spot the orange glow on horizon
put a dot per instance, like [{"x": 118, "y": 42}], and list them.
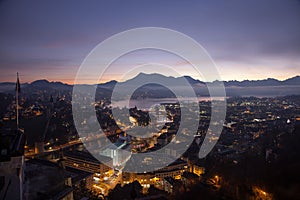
[{"x": 118, "y": 77}]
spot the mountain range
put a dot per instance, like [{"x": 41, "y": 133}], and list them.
[{"x": 266, "y": 87}]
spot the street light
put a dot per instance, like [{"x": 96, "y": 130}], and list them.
[{"x": 217, "y": 179}]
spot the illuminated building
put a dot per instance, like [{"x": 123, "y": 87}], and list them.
[
  {"x": 119, "y": 152},
  {"x": 197, "y": 169},
  {"x": 86, "y": 162},
  {"x": 169, "y": 184},
  {"x": 174, "y": 170}
]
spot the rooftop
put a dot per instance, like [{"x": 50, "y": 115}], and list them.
[
  {"x": 86, "y": 156},
  {"x": 11, "y": 143},
  {"x": 45, "y": 180}
]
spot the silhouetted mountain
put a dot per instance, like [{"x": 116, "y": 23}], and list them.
[
  {"x": 193, "y": 81},
  {"x": 45, "y": 84},
  {"x": 292, "y": 81},
  {"x": 108, "y": 85},
  {"x": 156, "y": 86},
  {"x": 40, "y": 83},
  {"x": 267, "y": 87},
  {"x": 156, "y": 78},
  {"x": 266, "y": 82},
  {"x": 247, "y": 83},
  {"x": 150, "y": 78},
  {"x": 7, "y": 86}
]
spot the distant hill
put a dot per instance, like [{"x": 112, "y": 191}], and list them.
[
  {"x": 266, "y": 87},
  {"x": 44, "y": 84},
  {"x": 247, "y": 83},
  {"x": 266, "y": 82},
  {"x": 168, "y": 80},
  {"x": 292, "y": 81}
]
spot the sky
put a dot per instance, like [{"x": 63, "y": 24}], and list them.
[{"x": 252, "y": 40}]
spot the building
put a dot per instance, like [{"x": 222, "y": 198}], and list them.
[
  {"x": 84, "y": 161},
  {"x": 119, "y": 152},
  {"x": 47, "y": 180},
  {"x": 12, "y": 144},
  {"x": 80, "y": 178},
  {"x": 189, "y": 179},
  {"x": 174, "y": 170},
  {"x": 169, "y": 184},
  {"x": 196, "y": 169}
]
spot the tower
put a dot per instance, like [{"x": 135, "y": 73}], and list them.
[{"x": 12, "y": 144}]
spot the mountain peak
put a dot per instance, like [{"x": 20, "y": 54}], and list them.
[
  {"x": 292, "y": 81},
  {"x": 192, "y": 80},
  {"x": 142, "y": 74},
  {"x": 39, "y": 82}
]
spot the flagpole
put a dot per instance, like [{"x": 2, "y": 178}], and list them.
[{"x": 17, "y": 101}]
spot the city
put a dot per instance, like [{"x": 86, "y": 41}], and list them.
[
  {"x": 150, "y": 100},
  {"x": 258, "y": 134}
]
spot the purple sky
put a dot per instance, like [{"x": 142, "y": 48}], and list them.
[{"x": 247, "y": 39}]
